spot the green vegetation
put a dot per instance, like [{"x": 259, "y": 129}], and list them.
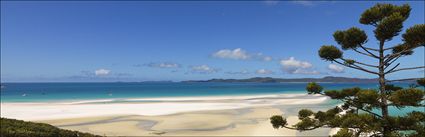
[
  {"x": 19, "y": 128},
  {"x": 360, "y": 117}
]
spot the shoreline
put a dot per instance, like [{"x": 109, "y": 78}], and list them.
[
  {"x": 148, "y": 106},
  {"x": 191, "y": 97},
  {"x": 225, "y": 115}
]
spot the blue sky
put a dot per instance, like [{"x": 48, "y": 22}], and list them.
[{"x": 143, "y": 41}]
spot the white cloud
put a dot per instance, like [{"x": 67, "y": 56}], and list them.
[
  {"x": 294, "y": 66},
  {"x": 237, "y": 54},
  {"x": 102, "y": 72},
  {"x": 162, "y": 65},
  {"x": 264, "y": 71},
  {"x": 335, "y": 68},
  {"x": 240, "y": 54},
  {"x": 238, "y": 72},
  {"x": 292, "y": 62},
  {"x": 204, "y": 69}
]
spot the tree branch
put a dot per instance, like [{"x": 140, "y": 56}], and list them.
[
  {"x": 366, "y": 64},
  {"x": 389, "y": 48},
  {"x": 393, "y": 68},
  {"x": 370, "y": 55},
  {"x": 312, "y": 128},
  {"x": 388, "y": 64},
  {"x": 355, "y": 67},
  {"x": 392, "y": 71},
  {"x": 349, "y": 101},
  {"x": 293, "y": 128},
  {"x": 391, "y": 56},
  {"x": 369, "y": 51}
]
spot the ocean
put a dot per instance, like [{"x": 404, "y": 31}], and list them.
[
  {"x": 51, "y": 92},
  {"x": 41, "y": 92}
]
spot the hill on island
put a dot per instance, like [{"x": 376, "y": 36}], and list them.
[{"x": 282, "y": 80}]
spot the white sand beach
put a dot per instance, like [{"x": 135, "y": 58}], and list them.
[{"x": 221, "y": 115}]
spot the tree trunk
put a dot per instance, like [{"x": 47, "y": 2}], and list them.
[{"x": 384, "y": 104}]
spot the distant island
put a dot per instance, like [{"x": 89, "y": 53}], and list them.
[{"x": 281, "y": 80}]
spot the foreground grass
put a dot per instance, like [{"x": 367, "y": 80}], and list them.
[{"x": 19, "y": 128}]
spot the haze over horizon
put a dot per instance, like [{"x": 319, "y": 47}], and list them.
[{"x": 154, "y": 41}]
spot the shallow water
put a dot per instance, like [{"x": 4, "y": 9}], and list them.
[
  {"x": 40, "y": 92},
  {"x": 119, "y": 92}
]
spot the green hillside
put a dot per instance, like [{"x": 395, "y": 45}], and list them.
[{"x": 19, "y": 128}]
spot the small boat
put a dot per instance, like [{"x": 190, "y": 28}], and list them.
[{"x": 24, "y": 95}]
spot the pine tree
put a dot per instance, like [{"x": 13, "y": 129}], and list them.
[{"x": 359, "y": 105}]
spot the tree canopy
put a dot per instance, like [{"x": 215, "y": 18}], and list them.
[{"x": 365, "y": 111}]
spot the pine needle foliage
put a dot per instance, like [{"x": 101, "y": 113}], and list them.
[{"x": 365, "y": 111}]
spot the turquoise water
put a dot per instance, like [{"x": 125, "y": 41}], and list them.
[
  {"x": 47, "y": 92},
  {"x": 39, "y": 92}
]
